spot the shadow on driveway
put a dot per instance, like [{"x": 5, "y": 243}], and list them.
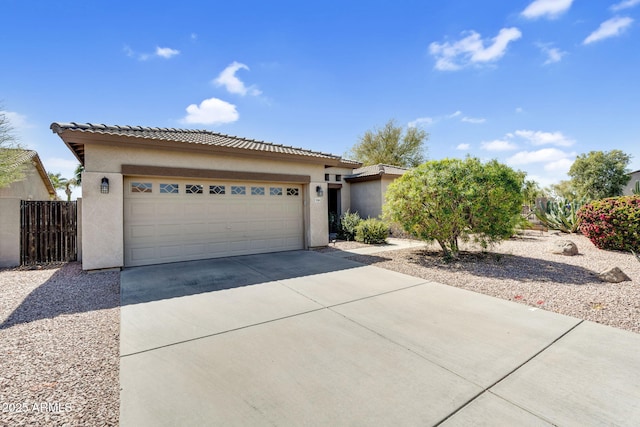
[{"x": 162, "y": 281}]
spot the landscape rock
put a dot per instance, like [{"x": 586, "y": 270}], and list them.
[
  {"x": 613, "y": 275},
  {"x": 564, "y": 247}
]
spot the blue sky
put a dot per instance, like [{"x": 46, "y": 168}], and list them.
[{"x": 530, "y": 83}]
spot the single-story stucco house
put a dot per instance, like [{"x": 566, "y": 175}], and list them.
[
  {"x": 35, "y": 185},
  {"x": 628, "y": 189},
  {"x": 158, "y": 195}
]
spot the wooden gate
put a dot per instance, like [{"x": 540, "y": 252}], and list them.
[{"x": 48, "y": 232}]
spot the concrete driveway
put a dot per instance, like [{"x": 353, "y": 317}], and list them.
[{"x": 302, "y": 338}]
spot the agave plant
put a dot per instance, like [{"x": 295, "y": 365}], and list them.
[{"x": 560, "y": 214}]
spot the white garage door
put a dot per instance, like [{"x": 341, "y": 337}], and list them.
[{"x": 168, "y": 220}]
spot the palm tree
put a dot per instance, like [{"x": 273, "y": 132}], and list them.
[
  {"x": 61, "y": 183},
  {"x": 77, "y": 174}
]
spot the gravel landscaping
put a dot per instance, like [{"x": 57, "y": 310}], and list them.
[
  {"x": 524, "y": 270},
  {"x": 59, "y": 346}
]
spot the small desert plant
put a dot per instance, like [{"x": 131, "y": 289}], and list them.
[
  {"x": 612, "y": 223},
  {"x": 560, "y": 214},
  {"x": 348, "y": 223},
  {"x": 372, "y": 231}
]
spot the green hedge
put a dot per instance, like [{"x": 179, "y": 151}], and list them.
[
  {"x": 372, "y": 231},
  {"x": 612, "y": 223}
]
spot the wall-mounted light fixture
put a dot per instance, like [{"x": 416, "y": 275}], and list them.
[
  {"x": 104, "y": 185},
  {"x": 319, "y": 191}
]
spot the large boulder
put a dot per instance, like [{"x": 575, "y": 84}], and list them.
[
  {"x": 613, "y": 275},
  {"x": 564, "y": 247}
]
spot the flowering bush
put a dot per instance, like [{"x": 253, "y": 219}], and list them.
[{"x": 612, "y": 223}]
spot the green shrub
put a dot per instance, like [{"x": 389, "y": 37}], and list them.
[
  {"x": 612, "y": 223},
  {"x": 372, "y": 232},
  {"x": 348, "y": 223},
  {"x": 560, "y": 214}
]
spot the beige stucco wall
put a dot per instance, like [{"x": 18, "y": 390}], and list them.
[
  {"x": 102, "y": 215},
  {"x": 366, "y": 198},
  {"x": 628, "y": 190},
  {"x": 102, "y": 221},
  {"x": 9, "y": 232}
]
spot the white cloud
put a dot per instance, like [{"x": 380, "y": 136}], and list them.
[
  {"x": 499, "y": 145},
  {"x": 562, "y": 165},
  {"x": 544, "y": 138},
  {"x": 212, "y": 111},
  {"x": 160, "y": 52},
  {"x": 456, "y": 114},
  {"x": 546, "y": 8},
  {"x": 540, "y": 156},
  {"x": 166, "y": 52},
  {"x": 519, "y": 110},
  {"x": 16, "y": 120},
  {"x": 463, "y": 147},
  {"x": 626, "y": 4},
  {"x": 471, "y": 49},
  {"x": 228, "y": 79},
  {"x": 420, "y": 121},
  {"x": 610, "y": 28},
  {"x": 553, "y": 53},
  {"x": 473, "y": 120}
]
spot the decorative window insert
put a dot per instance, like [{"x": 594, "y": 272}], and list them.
[
  {"x": 257, "y": 191},
  {"x": 275, "y": 191},
  {"x": 141, "y": 187},
  {"x": 169, "y": 188},
  {"x": 193, "y": 189},
  {"x": 217, "y": 189},
  {"x": 293, "y": 192},
  {"x": 338, "y": 178},
  {"x": 238, "y": 190}
]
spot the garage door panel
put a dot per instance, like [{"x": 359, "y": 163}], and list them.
[{"x": 171, "y": 227}]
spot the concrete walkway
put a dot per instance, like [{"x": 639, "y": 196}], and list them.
[
  {"x": 392, "y": 245},
  {"x": 302, "y": 338}
]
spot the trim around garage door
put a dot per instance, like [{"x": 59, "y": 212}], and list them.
[{"x": 161, "y": 171}]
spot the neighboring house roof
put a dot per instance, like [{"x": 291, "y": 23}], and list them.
[
  {"x": 22, "y": 156},
  {"x": 72, "y": 134},
  {"x": 373, "y": 172}
]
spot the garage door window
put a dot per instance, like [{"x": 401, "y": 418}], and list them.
[
  {"x": 217, "y": 189},
  {"x": 257, "y": 191},
  {"x": 275, "y": 191},
  {"x": 293, "y": 192},
  {"x": 168, "y": 188},
  {"x": 238, "y": 190},
  {"x": 193, "y": 189},
  {"x": 141, "y": 187}
]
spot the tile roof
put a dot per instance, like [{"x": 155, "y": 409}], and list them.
[
  {"x": 376, "y": 170},
  {"x": 193, "y": 136}
]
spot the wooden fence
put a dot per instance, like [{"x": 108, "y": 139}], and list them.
[{"x": 48, "y": 232}]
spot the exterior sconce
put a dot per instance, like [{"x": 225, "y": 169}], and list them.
[
  {"x": 104, "y": 186},
  {"x": 319, "y": 191}
]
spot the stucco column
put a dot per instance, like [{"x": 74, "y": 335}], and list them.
[
  {"x": 318, "y": 214},
  {"x": 102, "y": 221}
]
